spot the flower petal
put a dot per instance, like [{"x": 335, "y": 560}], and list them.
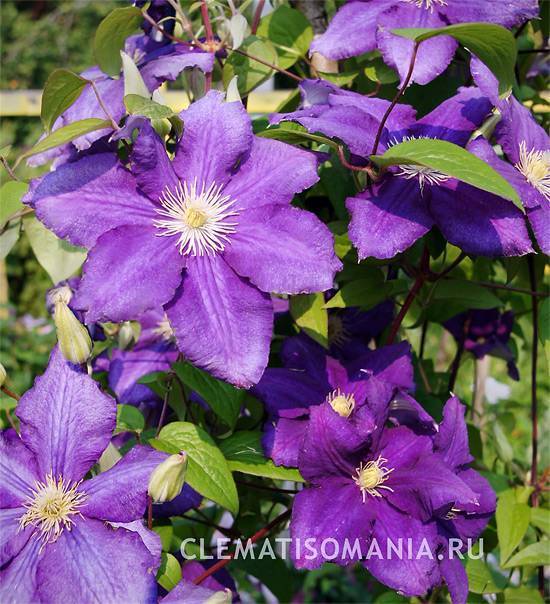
[
  {"x": 433, "y": 55},
  {"x": 222, "y": 323},
  {"x": 96, "y": 563},
  {"x": 66, "y": 420},
  {"x": 120, "y": 494},
  {"x": 282, "y": 440},
  {"x": 283, "y": 250},
  {"x": 455, "y": 576},
  {"x": 129, "y": 271},
  {"x": 508, "y": 14},
  {"x": 451, "y": 440},
  {"x": 273, "y": 173},
  {"x": 169, "y": 66},
  {"x": 18, "y": 470},
  {"x": 478, "y": 222},
  {"x": 18, "y": 581},
  {"x": 84, "y": 199},
  {"x": 12, "y": 538},
  {"x": 388, "y": 218},
  {"x": 185, "y": 501},
  {"x": 217, "y": 135}
]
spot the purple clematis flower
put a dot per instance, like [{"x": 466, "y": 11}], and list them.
[
  {"x": 220, "y": 584},
  {"x": 383, "y": 484},
  {"x": 156, "y": 63},
  {"x": 485, "y": 331},
  {"x": 310, "y": 378},
  {"x": 365, "y": 25},
  {"x": 527, "y": 148},
  {"x": 65, "y": 539},
  {"x": 206, "y": 235}
]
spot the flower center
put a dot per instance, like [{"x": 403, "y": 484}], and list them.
[
  {"x": 51, "y": 506},
  {"x": 371, "y": 476},
  {"x": 197, "y": 217},
  {"x": 342, "y": 403},
  {"x": 535, "y": 166},
  {"x": 427, "y": 4},
  {"x": 164, "y": 330},
  {"x": 337, "y": 332},
  {"x": 422, "y": 173}
]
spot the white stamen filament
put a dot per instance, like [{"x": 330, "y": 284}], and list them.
[
  {"x": 427, "y": 4},
  {"x": 371, "y": 476},
  {"x": 535, "y": 166},
  {"x": 197, "y": 218},
  {"x": 164, "y": 329}
]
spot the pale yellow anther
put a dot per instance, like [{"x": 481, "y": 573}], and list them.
[
  {"x": 342, "y": 403},
  {"x": 195, "y": 218},
  {"x": 371, "y": 477}
]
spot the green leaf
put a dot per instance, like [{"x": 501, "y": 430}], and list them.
[
  {"x": 536, "y": 554},
  {"x": 540, "y": 518},
  {"x": 250, "y": 73},
  {"x": 9, "y": 237},
  {"x": 476, "y": 296},
  {"x": 481, "y": 579},
  {"x": 522, "y": 595},
  {"x": 512, "y": 523},
  {"x": 62, "y": 89},
  {"x": 289, "y": 31},
  {"x": 366, "y": 292},
  {"x": 502, "y": 445},
  {"x": 129, "y": 419},
  {"x": 309, "y": 312},
  {"x": 111, "y": 35},
  {"x": 492, "y": 44},
  {"x": 139, "y": 105},
  {"x": 451, "y": 160},
  {"x": 59, "y": 259},
  {"x": 207, "y": 471},
  {"x": 169, "y": 572},
  {"x": 225, "y": 400},
  {"x": 244, "y": 453},
  {"x": 296, "y": 137},
  {"x": 378, "y": 71},
  {"x": 66, "y": 134},
  {"x": 11, "y": 193}
]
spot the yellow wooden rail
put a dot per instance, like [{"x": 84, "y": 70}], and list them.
[{"x": 27, "y": 102}]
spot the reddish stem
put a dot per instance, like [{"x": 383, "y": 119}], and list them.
[
  {"x": 257, "y": 17},
  {"x": 11, "y": 394},
  {"x": 206, "y": 22}
]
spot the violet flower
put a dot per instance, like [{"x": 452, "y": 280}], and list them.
[
  {"x": 395, "y": 484},
  {"x": 156, "y": 63},
  {"x": 310, "y": 378},
  {"x": 365, "y": 25},
  {"x": 485, "y": 331},
  {"x": 58, "y": 531},
  {"x": 207, "y": 235}
]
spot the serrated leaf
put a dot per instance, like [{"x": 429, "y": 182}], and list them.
[
  {"x": 451, "y": 160},
  {"x": 512, "y": 523},
  {"x": 59, "y": 259},
  {"x": 62, "y": 89},
  {"x": 111, "y": 35},
  {"x": 129, "y": 419},
  {"x": 169, "y": 572},
  {"x": 492, "y": 44},
  {"x": 138, "y": 105},
  {"x": 225, "y": 400},
  {"x": 66, "y": 134},
  {"x": 309, "y": 312},
  {"x": 289, "y": 31},
  {"x": 207, "y": 470},
  {"x": 244, "y": 453},
  {"x": 250, "y": 73},
  {"x": 536, "y": 554},
  {"x": 10, "y": 195}
]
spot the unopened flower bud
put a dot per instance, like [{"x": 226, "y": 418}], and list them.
[
  {"x": 74, "y": 340},
  {"x": 2, "y": 374},
  {"x": 128, "y": 335},
  {"x": 220, "y": 597},
  {"x": 168, "y": 478}
]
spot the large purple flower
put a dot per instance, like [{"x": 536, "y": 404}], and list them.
[
  {"x": 64, "y": 539},
  {"x": 156, "y": 63},
  {"x": 393, "y": 483},
  {"x": 206, "y": 235},
  {"x": 365, "y": 25},
  {"x": 310, "y": 378}
]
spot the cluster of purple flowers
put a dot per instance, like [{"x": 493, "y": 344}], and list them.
[{"x": 193, "y": 243}]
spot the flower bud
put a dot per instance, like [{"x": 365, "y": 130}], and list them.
[
  {"x": 220, "y": 597},
  {"x": 128, "y": 335},
  {"x": 168, "y": 478},
  {"x": 2, "y": 374},
  {"x": 74, "y": 340}
]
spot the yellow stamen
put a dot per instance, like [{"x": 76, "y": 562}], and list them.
[
  {"x": 371, "y": 476},
  {"x": 342, "y": 403}
]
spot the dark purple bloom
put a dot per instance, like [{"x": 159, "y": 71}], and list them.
[
  {"x": 310, "y": 378},
  {"x": 156, "y": 66},
  {"x": 365, "y": 25},
  {"x": 388, "y": 483},
  {"x": 207, "y": 235},
  {"x": 60, "y": 534},
  {"x": 527, "y": 148},
  {"x": 485, "y": 331}
]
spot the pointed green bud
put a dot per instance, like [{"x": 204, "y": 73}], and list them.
[
  {"x": 128, "y": 334},
  {"x": 74, "y": 340},
  {"x": 168, "y": 478},
  {"x": 3, "y": 374},
  {"x": 220, "y": 597}
]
